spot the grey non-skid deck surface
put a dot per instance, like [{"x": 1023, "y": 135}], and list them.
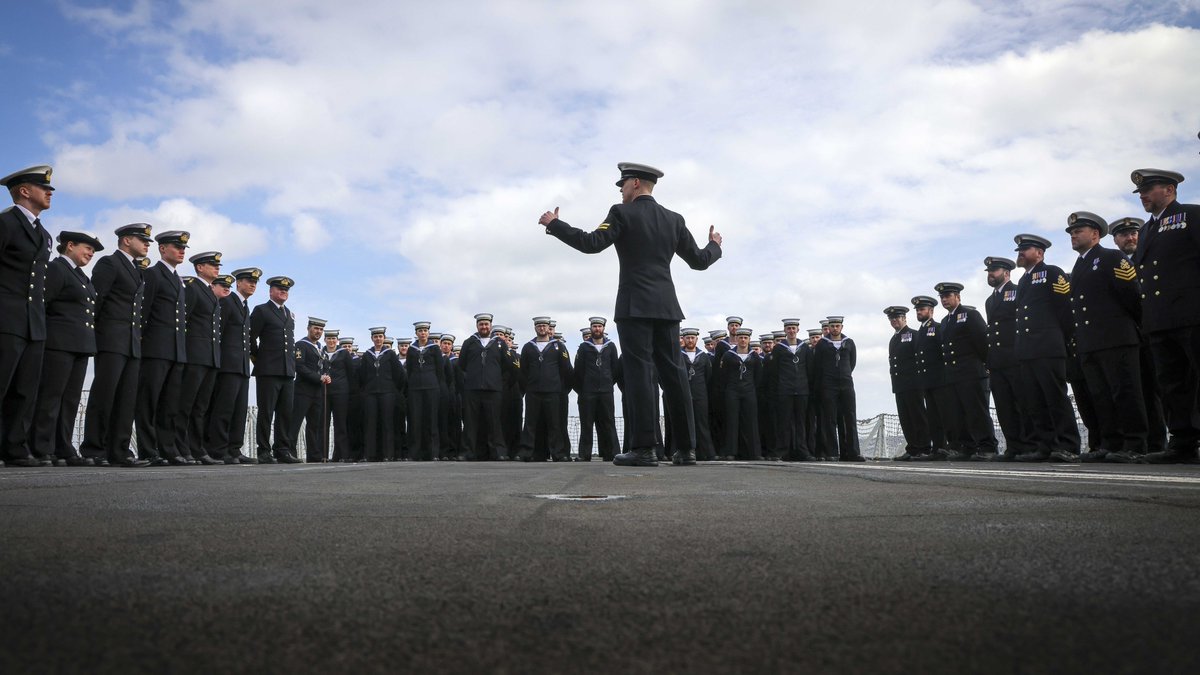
[{"x": 738, "y": 567}]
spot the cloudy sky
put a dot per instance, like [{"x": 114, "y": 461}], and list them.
[{"x": 393, "y": 157}]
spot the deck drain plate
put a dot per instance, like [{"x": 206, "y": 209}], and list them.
[{"x": 581, "y": 498}]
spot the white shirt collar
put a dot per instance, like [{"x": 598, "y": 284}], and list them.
[{"x": 28, "y": 214}]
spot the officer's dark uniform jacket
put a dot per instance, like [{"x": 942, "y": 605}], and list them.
[
  {"x": 699, "y": 367},
  {"x": 742, "y": 378},
  {"x": 547, "y": 371},
  {"x": 424, "y": 367},
  {"x": 833, "y": 368},
  {"x": 119, "y": 290},
  {"x": 1105, "y": 300},
  {"x": 1043, "y": 313},
  {"x": 597, "y": 368},
  {"x": 311, "y": 364},
  {"x": 902, "y": 360},
  {"x": 24, "y": 257},
  {"x": 380, "y": 372},
  {"x": 483, "y": 367},
  {"x": 164, "y": 317},
  {"x": 1001, "y": 307},
  {"x": 647, "y": 236},
  {"x": 203, "y": 323},
  {"x": 789, "y": 374},
  {"x": 341, "y": 369},
  {"x": 272, "y": 341},
  {"x": 70, "y": 309},
  {"x": 235, "y": 335},
  {"x": 1168, "y": 262},
  {"x": 931, "y": 368},
  {"x": 964, "y": 345}
]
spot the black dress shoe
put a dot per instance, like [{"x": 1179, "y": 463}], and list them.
[
  {"x": 853, "y": 458},
  {"x": 80, "y": 461},
  {"x": 131, "y": 463},
  {"x": 684, "y": 458},
  {"x": 982, "y": 456},
  {"x": 242, "y": 459},
  {"x": 267, "y": 459},
  {"x": 643, "y": 457},
  {"x": 180, "y": 461},
  {"x": 903, "y": 458},
  {"x": 230, "y": 460},
  {"x": 100, "y": 461},
  {"x": 158, "y": 461},
  {"x": 1123, "y": 457},
  {"x": 1035, "y": 456},
  {"x": 1096, "y": 455},
  {"x": 285, "y": 458},
  {"x": 1064, "y": 456},
  {"x": 1008, "y": 456},
  {"x": 27, "y": 462},
  {"x": 57, "y": 461},
  {"x": 207, "y": 461},
  {"x": 1173, "y": 456},
  {"x": 935, "y": 455},
  {"x": 805, "y": 456}
]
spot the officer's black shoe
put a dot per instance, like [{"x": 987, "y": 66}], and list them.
[
  {"x": 684, "y": 458},
  {"x": 982, "y": 456},
  {"x": 285, "y": 458},
  {"x": 131, "y": 463},
  {"x": 805, "y": 456},
  {"x": 100, "y": 461},
  {"x": 80, "y": 461},
  {"x": 267, "y": 459},
  {"x": 1173, "y": 456},
  {"x": 27, "y": 462},
  {"x": 242, "y": 459},
  {"x": 935, "y": 455},
  {"x": 207, "y": 461},
  {"x": 903, "y": 458},
  {"x": 853, "y": 458},
  {"x": 158, "y": 461},
  {"x": 1064, "y": 456},
  {"x": 1008, "y": 456},
  {"x": 230, "y": 460},
  {"x": 58, "y": 462},
  {"x": 643, "y": 457},
  {"x": 178, "y": 461},
  {"x": 1035, "y": 456},
  {"x": 1123, "y": 457},
  {"x": 1097, "y": 455},
  {"x": 956, "y": 456}
]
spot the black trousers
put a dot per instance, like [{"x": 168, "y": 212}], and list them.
[
  {"x": 598, "y": 409},
  {"x": 57, "y": 405},
  {"x": 400, "y": 428},
  {"x": 309, "y": 408},
  {"x": 741, "y": 425},
  {"x": 512, "y": 406},
  {"x": 705, "y": 450},
  {"x": 377, "y": 428},
  {"x": 226, "y": 433},
  {"x": 1084, "y": 404},
  {"x": 1044, "y": 399},
  {"x": 910, "y": 408},
  {"x": 157, "y": 408},
  {"x": 652, "y": 345},
  {"x": 195, "y": 402},
  {"x": 1013, "y": 422},
  {"x": 839, "y": 421},
  {"x": 815, "y": 436},
  {"x": 338, "y": 413},
  {"x": 564, "y": 407},
  {"x": 275, "y": 397},
  {"x": 108, "y": 427},
  {"x": 1177, "y": 360},
  {"x": 1115, "y": 380},
  {"x": 968, "y": 425},
  {"x": 541, "y": 417},
  {"x": 791, "y": 422},
  {"x": 1156, "y": 423},
  {"x": 20, "y": 368},
  {"x": 935, "y": 405},
  {"x": 768, "y": 436},
  {"x": 482, "y": 431},
  {"x": 423, "y": 440}
]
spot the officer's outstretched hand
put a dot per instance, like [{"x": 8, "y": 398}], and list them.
[
  {"x": 548, "y": 217},
  {"x": 713, "y": 235}
]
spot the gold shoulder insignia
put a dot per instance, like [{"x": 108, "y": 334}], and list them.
[
  {"x": 603, "y": 226},
  {"x": 1062, "y": 286},
  {"x": 1125, "y": 271},
  {"x": 565, "y": 356}
]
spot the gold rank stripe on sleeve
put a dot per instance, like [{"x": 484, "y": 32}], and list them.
[
  {"x": 1062, "y": 286},
  {"x": 603, "y": 226},
  {"x": 1125, "y": 271}
]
